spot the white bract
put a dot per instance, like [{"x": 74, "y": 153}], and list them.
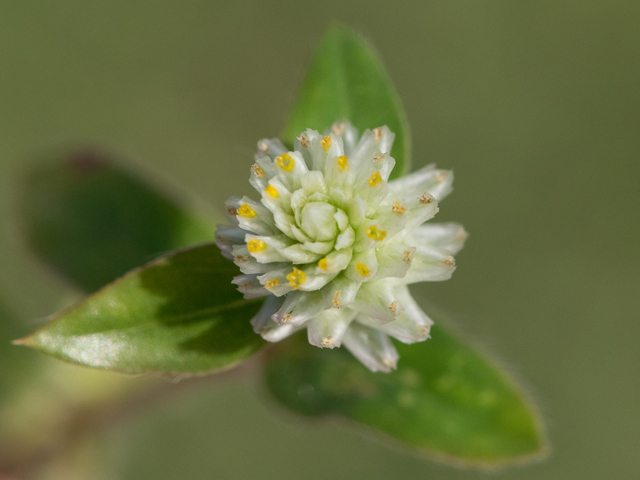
[{"x": 333, "y": 245}]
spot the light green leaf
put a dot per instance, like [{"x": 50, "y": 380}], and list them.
[
  {"x": 346, "y": 80},
  {"x": 179, "y": 314},
  {"x": 446, "y": 400},
  {"x": 93, "y": 221}
]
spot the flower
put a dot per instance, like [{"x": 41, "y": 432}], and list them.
[{"x": 333, "y": 245}]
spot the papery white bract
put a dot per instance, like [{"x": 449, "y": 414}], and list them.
[{"x": 333, "y": 245}]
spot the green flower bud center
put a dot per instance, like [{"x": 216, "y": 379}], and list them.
[{"x": 318, "y": 222}]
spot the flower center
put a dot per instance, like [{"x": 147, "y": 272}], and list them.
[{"x": 318, "y": 221}]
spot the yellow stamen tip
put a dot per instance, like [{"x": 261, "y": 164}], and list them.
[
  {"x": 296, "y": 278},
  {"x": 326, "y": 143},
  {"x": 398, "y": 208},
  {"x": 362, "y": 269},
  {"x": 285, "y": 162},
  {"x": 324, "y": 263},
  {"x": 375, "y": 233},
  {"x": 271, "y": 190},
  {"x": 375, "y": 179},
  {"x": 272, "y": 283},
  {"x": 343, "y": 162},
  {"x": 254, "y": 245},
  {"x": 246, "y": 211}
]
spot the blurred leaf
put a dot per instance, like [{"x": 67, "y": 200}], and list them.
[
  {"x": 346, "y": 80},
  {"x": 94, "y": 222},
  {"x": 445, "y": 400},
  {"x": 178, "y": 314}
]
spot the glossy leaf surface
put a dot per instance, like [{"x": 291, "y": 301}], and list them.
[
  {"x": 445, "y": 400},
  {"x": 179, "y": 314}
]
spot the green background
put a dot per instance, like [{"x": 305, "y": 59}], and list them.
[{"x": 535, "y": 105}]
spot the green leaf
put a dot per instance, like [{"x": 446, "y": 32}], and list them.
[
  {"x": 178, "y": 314},
  {"x": 94, "y": 222},
  {"x": 446, "y": 400},
  {"x": 346, "y": 80}
]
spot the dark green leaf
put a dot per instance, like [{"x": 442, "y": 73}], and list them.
[
  {"x": 178, "y": 314},
  {"x": 346, "y": 80},
  {"x": 445, "y": 400},
  {"x": 94, "y": 222}
]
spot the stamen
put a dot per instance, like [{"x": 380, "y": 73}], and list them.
[
  {"x": 286, "y": 318},
  {"x": 407, "y": 256},
  {"x": 374, "y": 233},
  {"x": 362, "y": 269},
  {"x": 271, "y": 190},
  {"x": 232, "y": 211},
  {"x": 241, "y": 258},
  {"x": 449, "y": 261},
  {"x": 336, "y": 300},
  {"x": 393, "y": 307},
  {"x": 285, "y": 162},
  {"x": 262, "y": 146},
  {"x": 338, "y": 128},
  {"x": 258, "y": 170},
  {"x": 246, "y": 211},
  {"x": 326, "y": 143},
  {"x": 398, "y": 208},
  {"x": 296, "y": 278},
  {"x": 343, "y": 162},
  {"x": 304, "y": 141},
  {"x": 324, "y": 263},
  {"x": 378, "y": 156},
  {"x": 271, "y": 283},
  {"x": 375, "y": 179},
  {"x": 254, "y": 245},
  {"x": 377, "y": 133},
  {"x": 425, "y": 199},
  {"x": 327, "y": 342}
]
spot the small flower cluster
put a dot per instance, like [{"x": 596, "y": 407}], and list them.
[{"x": 333, "y": 244}]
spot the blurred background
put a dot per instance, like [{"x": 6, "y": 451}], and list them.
[{"x": 535, "y": 105}]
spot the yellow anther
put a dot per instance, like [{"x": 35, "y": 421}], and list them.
[
  {"x": 254, "y": 245},
  {"x": 258, "y": 170},
  {"x": 324, "y": 263},
  {"x": 326, "y": 143},
  {"x": 246, "y": 211},
  {"x": 272, "y": 283},
  {"x": 343, "y": 162},
  {"x": 285, "y": 162},
  {"x": 271, "y": 190},
  {"x": 296, "y": 278},
  {"x": 376, "y": 234},
  {"x": 398, "y": 208},
  {"x": 336, "y": 300},
  {"x": 375, "y": 179},
  {"x": 362, "y": 269}
]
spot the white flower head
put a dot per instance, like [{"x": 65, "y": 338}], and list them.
[{"x": 333, "y": 245}]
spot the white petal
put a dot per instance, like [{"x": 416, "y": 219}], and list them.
[
  {"x": 341, "y": 292},
  {"x": 228, "y": 236},
  {"x": 269, "y": 248},
  {"x": 263, "y": 317},
  {"x": 449, "y": 237},
  {"x": 345, "y": 239},
  {"x": 394, "y": 260},
  {"x": 363, "y": 267},
  {"x": 379, "y": 301},
  {"x": 247, "y": 263},
  {"x": 297, "y": 254},
  {"x": 249, "y": 286},
  {"x": 426, "y": 180},
  {"x": 327, "y": 329},
  {"x": 430, "y": 264},
  {"x": 313, "y": 182},
  {"x": 372, "y": 347},
  {"x": 261, "y": 172},
  {"x": 298, "y": 307},
  {"x": 335, "y": 262},
  {"x": 270, "y": 147}
]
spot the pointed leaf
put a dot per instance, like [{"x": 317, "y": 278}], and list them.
[
  {"x": 93, "y": 221},
  {"x": 346, "y": 80},
  {"x": 178, "y": 314},
  {"x": 445, "y": 400}
]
